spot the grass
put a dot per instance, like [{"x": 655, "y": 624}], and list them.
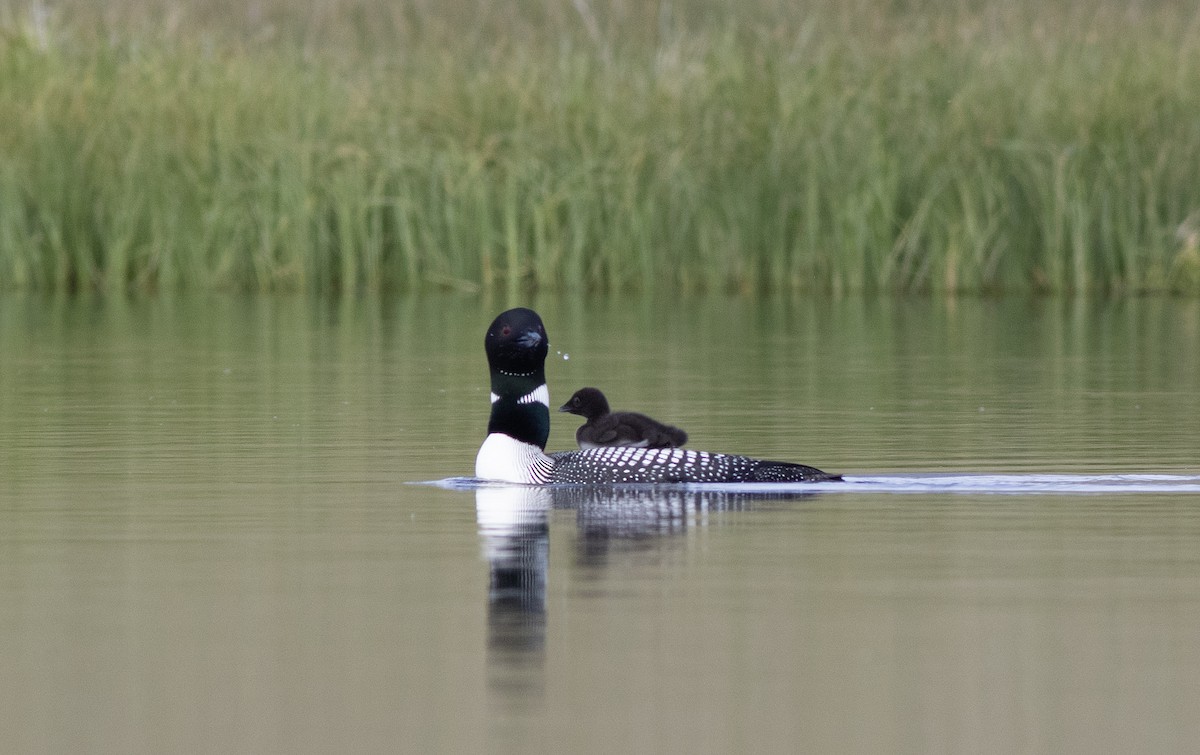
[{"x": 833, "y": 146}]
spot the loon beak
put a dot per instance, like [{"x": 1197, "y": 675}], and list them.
[
  {"x": 564, "y": 408},
  {"x": 529, "y": 339}
]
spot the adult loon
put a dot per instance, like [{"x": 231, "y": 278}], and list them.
[
  {"x": 608, "y": 428},
  {"x": 514, "y": 450}
]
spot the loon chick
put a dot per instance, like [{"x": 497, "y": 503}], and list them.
[
  {"x": 629, "y": 429},
  {"x": 519, "y": 425}
]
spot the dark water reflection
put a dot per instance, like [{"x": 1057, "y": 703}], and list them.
[{"x": 515, "y": 531}]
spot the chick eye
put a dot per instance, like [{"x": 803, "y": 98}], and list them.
[{"x": 506, "y": 331}]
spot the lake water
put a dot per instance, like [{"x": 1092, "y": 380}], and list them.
[{"x": 210, "y": 539}]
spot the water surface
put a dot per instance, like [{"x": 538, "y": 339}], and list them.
[{"x": 211, "y": 541}]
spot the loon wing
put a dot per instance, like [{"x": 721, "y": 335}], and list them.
[{"x": 615, "y": 464}]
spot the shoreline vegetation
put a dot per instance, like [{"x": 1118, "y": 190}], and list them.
[{"x": 943, "y": 146}]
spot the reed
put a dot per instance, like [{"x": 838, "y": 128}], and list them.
[{"x": 689, "y": 146}]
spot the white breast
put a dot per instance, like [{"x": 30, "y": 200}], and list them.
[{"x": 506, "y": 459}]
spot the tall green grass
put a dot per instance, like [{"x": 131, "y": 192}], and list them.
[{"x": 934, "y": 146}]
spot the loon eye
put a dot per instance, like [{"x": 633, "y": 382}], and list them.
[{"x": 506, "y": 331}]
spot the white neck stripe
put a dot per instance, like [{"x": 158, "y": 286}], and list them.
[{"x": 539, "y": 395}]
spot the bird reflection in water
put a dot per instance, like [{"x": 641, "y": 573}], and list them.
[{"x": 514, "y": 528}]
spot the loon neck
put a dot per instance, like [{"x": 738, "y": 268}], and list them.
[
  {"x": 515, "y": 383},
  {"x": 521, "y": 407}
]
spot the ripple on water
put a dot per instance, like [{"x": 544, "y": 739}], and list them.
[{"x": 999, "y": 484}]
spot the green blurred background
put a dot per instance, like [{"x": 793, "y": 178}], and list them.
[{"x": 940, "y": 146}]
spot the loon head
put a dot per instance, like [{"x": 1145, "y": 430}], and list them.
[
  {"x": 516, "y": 345},
  {"x": 586, "y": 402}
]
